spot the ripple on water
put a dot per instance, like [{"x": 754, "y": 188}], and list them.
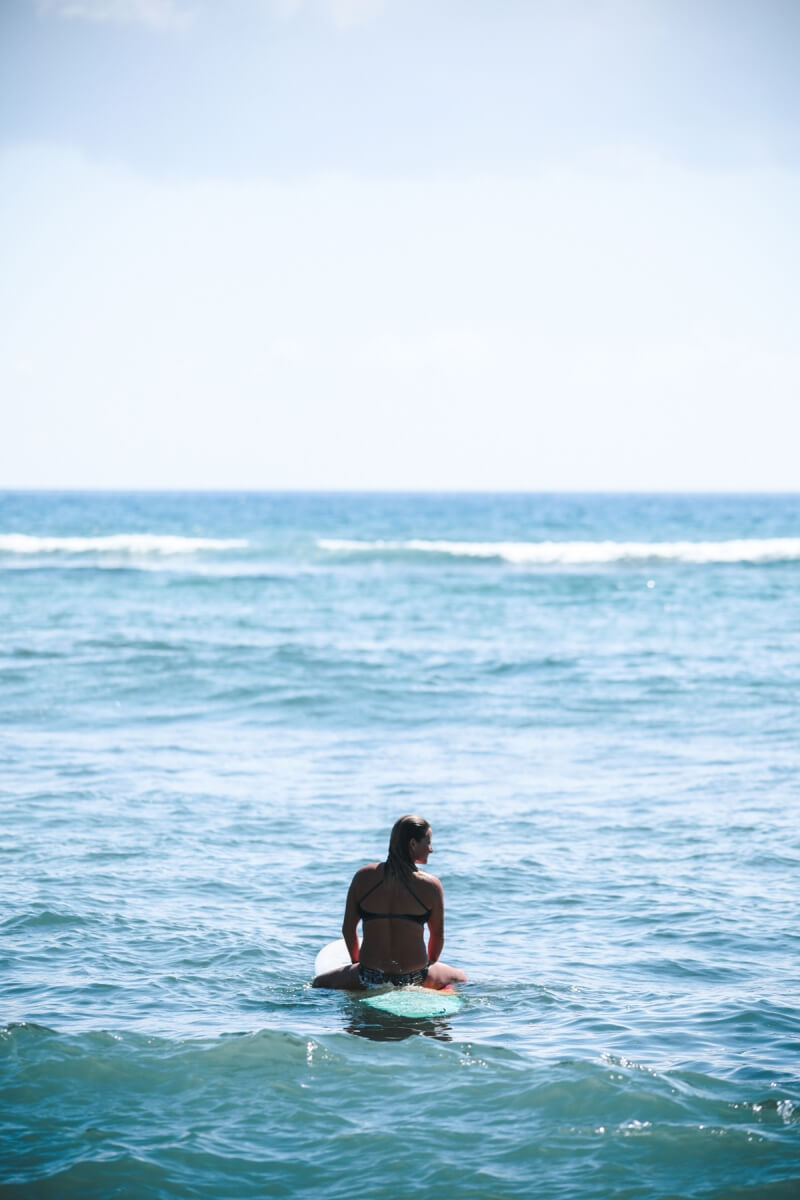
[{"x": 265, "y": 1110}]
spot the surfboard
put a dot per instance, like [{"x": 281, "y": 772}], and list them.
[
  {"x": 397, "y": 1002},
  {"x": 413, "y": 1002}
]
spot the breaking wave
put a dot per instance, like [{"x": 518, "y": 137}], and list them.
[
  {"x": 745, "y": 550},
  {"x": 133, "y": 544}
]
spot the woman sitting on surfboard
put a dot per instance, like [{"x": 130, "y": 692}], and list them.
[{"x": 395, "y": 901}]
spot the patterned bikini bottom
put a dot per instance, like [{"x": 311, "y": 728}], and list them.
[{"x": 371, "y": 977}]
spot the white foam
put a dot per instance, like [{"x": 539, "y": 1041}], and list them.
[
  {"x": 742, "y": 550},
  {"x": 134, "y": 544}
]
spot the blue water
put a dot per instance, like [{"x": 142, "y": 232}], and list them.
[{"x": 212, "y": 709}]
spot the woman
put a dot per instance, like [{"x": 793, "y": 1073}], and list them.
[{"x": 395, "y": 901}]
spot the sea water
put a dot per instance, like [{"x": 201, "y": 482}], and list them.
[{"x": 212, "y": 710}]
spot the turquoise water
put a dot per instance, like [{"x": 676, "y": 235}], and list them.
[{"x": 212, "y": 709}]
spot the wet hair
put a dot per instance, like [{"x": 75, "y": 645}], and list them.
[{"x": 400, "y": 861}]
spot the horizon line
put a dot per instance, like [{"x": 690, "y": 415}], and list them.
[{"x": 398, "y": 491}]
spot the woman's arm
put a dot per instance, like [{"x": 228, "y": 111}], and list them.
[
  {"x": 350, "y": 922},
  {"x": 436, "y": 925}
]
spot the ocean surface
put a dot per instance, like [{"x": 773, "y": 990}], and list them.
[{"x": 212, "y": 709}]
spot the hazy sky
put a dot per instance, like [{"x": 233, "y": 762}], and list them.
[{"x": 511, "y": 244}]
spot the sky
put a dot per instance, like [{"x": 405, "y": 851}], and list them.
[{"x": 400, "y": 244}]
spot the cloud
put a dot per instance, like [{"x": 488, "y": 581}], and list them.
[
  {"x": 352, "y": 12},
  {"x": 156, "y": 14},
  {"x": 342, "y": 13}
]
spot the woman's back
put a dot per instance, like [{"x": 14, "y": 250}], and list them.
[{"x": 394, "y": 910}]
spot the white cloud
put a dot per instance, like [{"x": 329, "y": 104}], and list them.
[
  {"x": 352, "y": 12},
  {"x": 342, "y": 13},
  {"x": 156, "y": 14}
]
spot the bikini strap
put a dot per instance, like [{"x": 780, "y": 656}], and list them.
[
  {"x": 374, "y": 887},
  {"x": 409, "y": 888}
]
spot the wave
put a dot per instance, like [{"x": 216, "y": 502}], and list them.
[
  {"x": 133, "y": 544},
  {"x": 545, "y": 554}
]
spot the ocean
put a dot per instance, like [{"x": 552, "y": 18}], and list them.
[{"x": 213, "y": 707}]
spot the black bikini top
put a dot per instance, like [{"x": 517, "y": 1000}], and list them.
[{"x": 418, "y": 918}]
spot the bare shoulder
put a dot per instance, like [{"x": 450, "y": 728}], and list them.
[
  {"x": 366, "y": 874},
  {"x": 430, "y": 880}
]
